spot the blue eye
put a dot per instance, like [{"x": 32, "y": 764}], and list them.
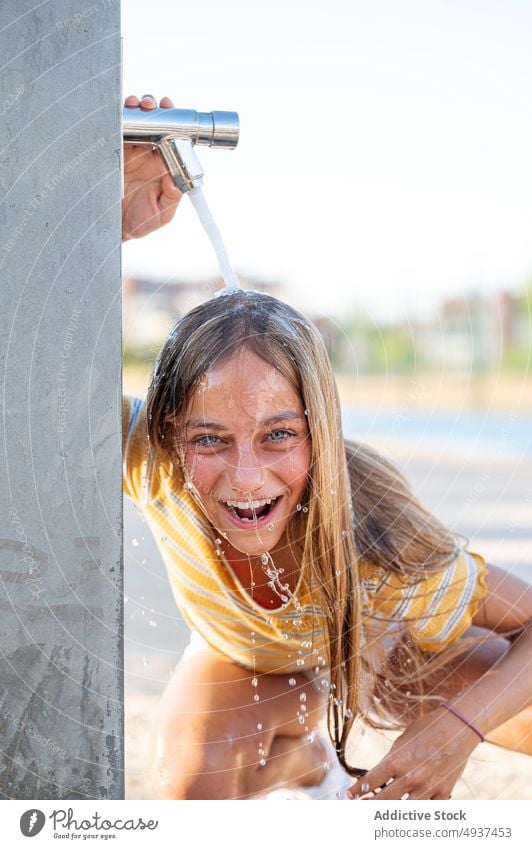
[
  {"x": 207, "y": 441},
  {"x": 279, "y": 435}
]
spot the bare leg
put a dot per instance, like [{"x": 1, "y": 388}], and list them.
[{"x": 210, "y": 730}]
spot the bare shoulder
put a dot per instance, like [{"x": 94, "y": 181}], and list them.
[{"x": 507, "y": 603}]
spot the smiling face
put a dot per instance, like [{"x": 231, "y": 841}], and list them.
[{"x": 247, "y": 451}]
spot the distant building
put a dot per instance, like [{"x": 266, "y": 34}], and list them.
[
  {"x": 151, "y": 307},
  {"x": 470, "y": 333}
]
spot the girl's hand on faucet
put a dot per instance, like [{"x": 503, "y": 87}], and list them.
[{"x": 150, "y": 197}]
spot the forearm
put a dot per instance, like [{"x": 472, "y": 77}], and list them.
[{"x": 503, "y": 691}]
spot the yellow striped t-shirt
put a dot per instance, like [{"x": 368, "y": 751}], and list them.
[{"x": 434, "y": 612}]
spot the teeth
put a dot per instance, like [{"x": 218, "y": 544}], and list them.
[{"x": 250, "y": 505}]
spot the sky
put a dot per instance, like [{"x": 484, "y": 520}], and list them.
[{"x": 384, "y": 160}]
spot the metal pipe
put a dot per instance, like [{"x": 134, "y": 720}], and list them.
[{"x": 175, "y": 132}]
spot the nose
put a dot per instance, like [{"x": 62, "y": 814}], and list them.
[{"x": 247, "y": 473}]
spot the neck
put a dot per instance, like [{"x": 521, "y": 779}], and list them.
[{"x": 285, "y": 557}]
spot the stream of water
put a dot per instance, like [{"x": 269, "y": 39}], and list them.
[{"x": 198, "y": 201}]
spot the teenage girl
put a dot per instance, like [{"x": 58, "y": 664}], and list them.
[{"x": 317, "y": 583}]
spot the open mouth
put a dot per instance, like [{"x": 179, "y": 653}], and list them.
[{"x": 252, "y": 511}]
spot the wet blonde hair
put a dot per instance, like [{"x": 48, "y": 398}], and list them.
[{"x": 360, "y": 508}]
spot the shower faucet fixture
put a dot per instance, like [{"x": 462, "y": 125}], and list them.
[{"x": 176, "y": 132}]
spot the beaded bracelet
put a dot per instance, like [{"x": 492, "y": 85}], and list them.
[{"x": 462, "y": 717}]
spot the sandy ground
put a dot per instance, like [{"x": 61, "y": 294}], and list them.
[{"x": 489, "y": 499}]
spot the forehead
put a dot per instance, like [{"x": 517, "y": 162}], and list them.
[{"x": 245, "y": 384}]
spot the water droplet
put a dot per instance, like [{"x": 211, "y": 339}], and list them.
[
  {"x": 271, "y": 526},
  {"x": 302, "y": 697},
  {"x": 301, "y": 720},
  {"x": 145, "y": 661},
  {"x": 256, "y": 697},
  {"x": 337, "y": 573},
  {"x": 292, "y": 682},
  {"x": 253, "y": 584},
  {"x": 254, "y": 682},
  {"x": 306, "y": 412},
  {"x": 152, "y": 623},
  {"x": 316, "y": 670},
  {"x": 306, "y": 644},
  {"x": 298, "y": 507},
  {"x": 264, "y": 559},
  {"x": 344, "y": 533},
  {"x": 218, "y": 541},
  {"x": 126, "y": 599},
  {"x": 187, "y": 486},
  {"x": 349, "y": 713},
  {"x": 300, "y": 662},
  {"x": 259, "y": 726},
  {"x": 305, "y": 509},
  {"x": 262, "y": 762},
  {"x": 135, "y": 542},
  {"x": 333, "y": 492}
]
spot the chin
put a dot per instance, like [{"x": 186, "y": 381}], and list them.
[{"x": 253, "y": 542}]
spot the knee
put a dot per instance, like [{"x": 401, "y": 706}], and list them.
[{"x": 187, "y": 769}]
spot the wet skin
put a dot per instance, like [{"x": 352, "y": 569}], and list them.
[{"x": 247, "y": 442}]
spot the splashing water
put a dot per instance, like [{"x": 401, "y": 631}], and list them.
[
  {"x": 283, "y": 591},
  {"x": 198, "y": 201}
]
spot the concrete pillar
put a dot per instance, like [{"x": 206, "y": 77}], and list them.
[{"x": 61, "y": 691}]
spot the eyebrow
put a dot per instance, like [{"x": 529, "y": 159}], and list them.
[{"x": 282, "y": 416}]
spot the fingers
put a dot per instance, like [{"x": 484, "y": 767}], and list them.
[
  {"x": 169, "y": 198},
  {"x": 394, "y": 790},
  {"x": 377, "y": 777},
  {"x": 147, "y": 101}
]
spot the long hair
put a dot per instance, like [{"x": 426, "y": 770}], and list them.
[{"x": 359, "y": 508}]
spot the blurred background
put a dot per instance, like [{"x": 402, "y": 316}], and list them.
[
  {"x": 383, "y": 186},
  {"x": 382, "y": 182}
]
